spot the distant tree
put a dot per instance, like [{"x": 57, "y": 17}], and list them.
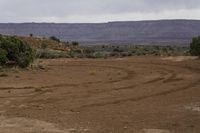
[
  {"x": 55, "y": 38},
  {"x": 75, "y": 43},
  {"x": 31, "y": 35},
  {"x": 117, "y": 49},
  {"x": 195, "y": 46}
]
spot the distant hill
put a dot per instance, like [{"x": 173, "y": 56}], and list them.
[{"x": 134, "y": 31}]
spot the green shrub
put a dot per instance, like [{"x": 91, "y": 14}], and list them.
[
  {"x": 98, "y": 55},
  {"x": 48, "y": 54},
  {"x": 75, "y": 44},
  {"x": 15, "y": 50},
  {"x": 55, "y": 38},
  {"x": 3, "y": 57},
  {"x": 117, "y": 50},
  {"x": 88, "y": 51},
  {"x": 195, "y": 46}
]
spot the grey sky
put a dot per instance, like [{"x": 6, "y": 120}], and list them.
[{"x": 96, "y": 10}]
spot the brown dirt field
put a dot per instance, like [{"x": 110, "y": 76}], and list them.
[{"x": 129, "y": 95}]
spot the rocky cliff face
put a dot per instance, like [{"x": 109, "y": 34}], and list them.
[{"x": 136, "y": 31}]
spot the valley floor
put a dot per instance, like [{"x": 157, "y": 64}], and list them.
[{"x": 126, "y": 95}]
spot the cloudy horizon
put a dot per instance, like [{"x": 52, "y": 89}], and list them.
[{"x": 95, "y": 11}]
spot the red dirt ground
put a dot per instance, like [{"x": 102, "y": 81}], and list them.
[{"x": 129, "y": 95}]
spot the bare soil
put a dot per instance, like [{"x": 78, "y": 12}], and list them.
[{"x": 129, "y": 95}]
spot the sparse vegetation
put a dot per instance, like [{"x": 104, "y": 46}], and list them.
[
  {"x": 133, "y": 50},
  {"x": 50, "y": 54},
  {"x": 54, "y": 48}
]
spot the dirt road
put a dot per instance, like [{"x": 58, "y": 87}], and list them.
[{"x": 129, "y": 95}]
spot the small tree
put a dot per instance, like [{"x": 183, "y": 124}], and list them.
[
  {"x": 3, "y": 57},
  {"x": 15, "y": 50},
  {"x": 31, "y": 35},
  {"x": 75, "y": 44},
  {"x": 195, "y": 46},
  {"x": 55, "y": 38}
]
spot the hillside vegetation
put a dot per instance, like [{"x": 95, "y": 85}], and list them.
[{"x": 21, "y": 51}]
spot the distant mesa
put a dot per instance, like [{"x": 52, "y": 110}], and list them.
[{"x": 127, "y": 31}]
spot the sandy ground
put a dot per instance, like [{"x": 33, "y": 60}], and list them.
[{"x": 129, "y": 95}]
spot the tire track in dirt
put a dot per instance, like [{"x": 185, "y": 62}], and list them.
[
  {"x": 172, "y": 78},
  {"x": 160, "y": 78},
  {"x": 136, "y": 99},
  {"x": 130, "y": 74},
  {"x": 167, "y": 72}
]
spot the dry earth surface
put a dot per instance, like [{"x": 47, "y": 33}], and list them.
[{"x": 129, "y": 95}]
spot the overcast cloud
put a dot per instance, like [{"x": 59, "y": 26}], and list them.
[{"x": 96, "y": 10}]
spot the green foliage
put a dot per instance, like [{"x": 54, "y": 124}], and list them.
[
  {"x": 48, "y": 54},
  {"x": 15, "y": 50},
  {"x": 131, "y": 50},
  {"x": 3, "y": 57},
  {"x": 88, "y": 51},
  {"x": 195, "y": 46},
  {"x": 117, "y": 50}
]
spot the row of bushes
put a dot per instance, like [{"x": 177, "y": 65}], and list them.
[{"x": 17, "y": 52}]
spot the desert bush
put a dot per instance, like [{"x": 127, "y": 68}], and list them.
[
  {"x": 75, "y": 44},
  {"x": 54, "y": 38},
  {"x": 195, "y": 46},
  {"x": 114, "y": 54},
  {"x": 15, "y": 50},
  {"x": 117, "y": 50},
  {"x": 49, "y": 54},
  {"x": 125, "y": 54},
  {"x": 88, "y": 51},
  {"x": 3, "y": 57},
  {"x": 138, "y": 51},
  {"x": 99, "y": 55}
]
